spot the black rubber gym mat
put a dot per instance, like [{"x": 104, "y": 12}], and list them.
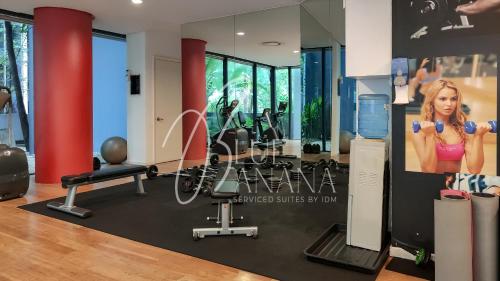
[
  {"x": 286, "y": 227},
  {"x": 408, "y": 267}
]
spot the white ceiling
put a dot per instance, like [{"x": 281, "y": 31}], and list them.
[
  {"x": 280, "y": 24},
  {"x": 122, "y": 16}
]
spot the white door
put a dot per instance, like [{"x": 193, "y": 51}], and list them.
[{"x": 168, "y": 106}]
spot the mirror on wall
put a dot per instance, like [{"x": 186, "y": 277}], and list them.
[
  {"x": 272, "y": 39},
  {"x": 316, "y": 76},
  {"x": 283, "y": 60},
  {"x": 254, "y": 58}
]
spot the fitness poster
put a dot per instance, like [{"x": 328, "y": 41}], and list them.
[
  {"x": 451, "y": 119},
  {"x": 441, "y": 19}
]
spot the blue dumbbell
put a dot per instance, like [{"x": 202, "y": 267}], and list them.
[
  {"x": 439, "y": 126},
  {"x": 470, "y": 126}
]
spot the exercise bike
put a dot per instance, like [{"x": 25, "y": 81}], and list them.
[{"x": 229, "y": 140}]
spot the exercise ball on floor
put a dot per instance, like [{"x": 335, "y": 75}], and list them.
[
  {"x": 345, "y": 138},
  {"x": 114, "y": 150}
]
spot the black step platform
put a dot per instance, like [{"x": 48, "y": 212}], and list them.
[{"x": 331, "y": 248}]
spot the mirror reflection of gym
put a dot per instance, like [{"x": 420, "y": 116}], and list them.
[{"x": 259, "y": 51}]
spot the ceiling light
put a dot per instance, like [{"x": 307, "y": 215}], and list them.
[
  {"x": 240, "y": 33},
  {"x": 137, "y": 2},
  {"x": 296, "y": 52},
  {"x": 271, "y": 43}
]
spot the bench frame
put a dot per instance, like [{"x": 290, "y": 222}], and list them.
[
  {"x": 225, "y": 218},
  {"x": 69, "y": 204}
]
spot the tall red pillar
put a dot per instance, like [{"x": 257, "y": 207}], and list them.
[
  {"x": 63, "y": 93},
  {"x": 193, "y": 98}
]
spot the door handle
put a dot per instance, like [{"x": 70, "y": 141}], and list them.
[{"x": 159, "y": 119}]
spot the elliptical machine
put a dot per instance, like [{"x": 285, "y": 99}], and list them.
[
  {"x": 229, "y": 140},
  {"x": 275, "y": 131},
  {"x": 272, "y": 137}
]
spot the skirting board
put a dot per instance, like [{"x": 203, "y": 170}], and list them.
[{"x": 403, "y": 254}]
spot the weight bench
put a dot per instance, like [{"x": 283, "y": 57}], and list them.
[
  {"x": 225, "y": 192},
  {"x": 72, "y": 182}
]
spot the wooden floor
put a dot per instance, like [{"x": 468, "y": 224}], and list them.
[{"x": 35, "y": 247}]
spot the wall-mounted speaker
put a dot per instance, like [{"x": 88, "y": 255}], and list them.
[{"x": 135, "y": 84}]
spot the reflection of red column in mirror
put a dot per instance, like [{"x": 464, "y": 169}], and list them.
[
  {"x": 63, "y": 92},
  {"x": 193, "y": 97}
]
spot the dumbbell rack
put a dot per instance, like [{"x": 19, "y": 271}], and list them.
[
  {"x": 328, "y": 179},
  {"x": 274, "y": 182}
]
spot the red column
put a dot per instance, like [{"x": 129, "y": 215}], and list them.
[
  {"x": 63, "y": 93},
  {"x": 193, "y": 98}
]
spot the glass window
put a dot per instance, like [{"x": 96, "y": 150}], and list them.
[
  {"x": 328, "y": 100},
  {"x": 240, "y": 80},
  {"x": 22, "y": 94},
  {"x": 312, "y": 101},
  {"x": 283, "y": 95},
  {"x": 263, "y": 88},
  {"x": 347, "y": 98},
  {"x": 296, "y": 106},
  {"x": 214, "y": 84},
  {"x": 109, "y": 63}
]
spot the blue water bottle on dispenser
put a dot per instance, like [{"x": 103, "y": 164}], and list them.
[{"x": 373, "y": 116}]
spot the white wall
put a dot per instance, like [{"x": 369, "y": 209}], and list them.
[
  {"x": 312, "y": 33},
  {"x": 335, "y": 124},
  {"x": 368, "y": 37},
  {"x": 330, "y": 14},
  {"x": 136, "y": 104},
  {"x": 141, "y": 49},
  {"x": 278, "y": 24}
]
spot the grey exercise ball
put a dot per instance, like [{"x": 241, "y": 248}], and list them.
[
  {"x": 345, "y": 138},
  {"x": 114, "y": 150}
]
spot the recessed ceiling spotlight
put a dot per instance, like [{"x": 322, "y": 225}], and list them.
[
  {"x": 137, "y": 2},
  {"x": 241, "y": 33},
  {"x": 271, "y": 43},
  {"x": 296, "y": 52}
]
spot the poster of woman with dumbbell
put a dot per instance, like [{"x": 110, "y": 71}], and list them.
[{"x": 451, "y": 123}]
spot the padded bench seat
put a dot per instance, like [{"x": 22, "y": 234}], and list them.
[
  {"x": 72, "y": 182},
  {"x": 103, "y": 175},
  {"x": 226, "y": 190}
]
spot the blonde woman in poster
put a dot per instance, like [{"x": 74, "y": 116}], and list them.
[{"x": 443, "y": 150}]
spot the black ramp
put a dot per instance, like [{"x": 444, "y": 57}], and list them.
[
  {"x": 331, "y": 248},
  {"x": 286, "y": 227}
]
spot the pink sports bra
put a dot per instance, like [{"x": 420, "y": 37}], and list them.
[{"x": 450, "y": 152}]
